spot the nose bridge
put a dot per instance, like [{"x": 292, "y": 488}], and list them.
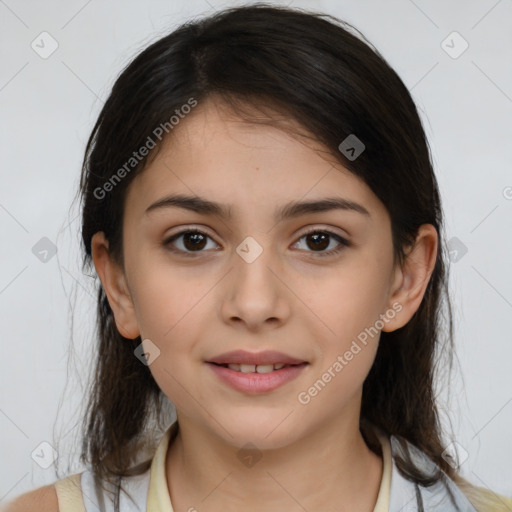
[
  {"x": 255, "y": 294},
  {"x": 253, "y": 261}
]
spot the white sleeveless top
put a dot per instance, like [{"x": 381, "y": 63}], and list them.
[{"x": 149, "y": 491}]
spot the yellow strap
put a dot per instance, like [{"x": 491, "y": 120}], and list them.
[
  {"x": 69, "y": 494},
  {"x": 382, "y": 504}
]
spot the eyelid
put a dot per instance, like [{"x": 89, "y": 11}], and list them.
[
  {"x": 183, "y": 230},
  {"x": 325, "y": 229},
  {"x": 309, "y": 229},
  {"x": 343, "y": 240}
]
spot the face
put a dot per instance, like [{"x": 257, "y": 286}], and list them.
[{"x": 314, "y": 286}]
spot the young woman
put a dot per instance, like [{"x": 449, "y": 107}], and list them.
[{"x": 261, "y": 210}]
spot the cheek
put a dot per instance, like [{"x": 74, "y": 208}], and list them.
[
  {"x": 348, "y": 300},
  {"x": 338, "y": 384},
  {"x": 350, "y": 311},
  {"x": 168, "y": 303},
  {"x": 176, "y": 364},
  {"x": 165, "y": 295},
  {"x": 348, "y": 304}
]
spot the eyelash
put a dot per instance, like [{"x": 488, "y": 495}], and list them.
[{"x": 342, "y": 241}]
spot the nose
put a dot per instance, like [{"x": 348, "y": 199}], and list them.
[{"x": 254, "y": 293}]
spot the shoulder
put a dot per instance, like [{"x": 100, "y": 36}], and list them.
[
  {"x": 484, "y": 499},
  {"x": 43, "y": 499}
]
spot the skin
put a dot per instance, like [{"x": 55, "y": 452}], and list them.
[{"x": 289, "y": 298}]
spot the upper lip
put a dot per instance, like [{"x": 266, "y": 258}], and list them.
[{"x": 256, "y": 358}]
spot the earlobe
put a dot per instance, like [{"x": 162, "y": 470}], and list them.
[
  {"x": 411, "y": 280},
  {"x": 114, "y": 283}
]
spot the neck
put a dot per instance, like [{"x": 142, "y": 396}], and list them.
[{"x": 329, "y": 468}]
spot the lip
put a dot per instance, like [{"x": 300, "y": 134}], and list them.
[
  {"x": 256, "y": 383},
  {"x": 256, "y": 358}
]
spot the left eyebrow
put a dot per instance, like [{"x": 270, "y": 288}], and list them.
[{"x": 288, "y": 211}]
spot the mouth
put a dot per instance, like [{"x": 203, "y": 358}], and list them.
[
  {"x": 247, "y": 362},
  {"x": 263, "y": 373},
  {"x": 256, "y": 372},
  {"x": 253, "y": 368}
]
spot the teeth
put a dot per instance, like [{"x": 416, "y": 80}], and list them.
[
  {"x": 251, "y": 368},
  {"x": 265, "y": 368}
]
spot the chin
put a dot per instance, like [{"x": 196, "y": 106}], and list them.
[{"x": 265, "y": 433}]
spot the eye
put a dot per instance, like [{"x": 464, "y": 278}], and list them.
[
  {"x": 193, "y": 240},
  {"x": 321, "y": 239}
]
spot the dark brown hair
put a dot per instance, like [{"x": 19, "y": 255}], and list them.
[{"x": 324, "y": 74}]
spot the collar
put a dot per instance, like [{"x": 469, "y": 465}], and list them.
[
  {"x": 408, "y": 496},
  {"x": 158, "y": 493},
  {"x": 159, "y": 499},
  {"x": 395, "y": 492}
]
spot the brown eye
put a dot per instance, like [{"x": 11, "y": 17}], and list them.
[
  {"x": 188, "y": 241},
  {"x": 318, "y": 241},
  {"x": 194, "y": 241},
  {"x": 191, "y": 241}
]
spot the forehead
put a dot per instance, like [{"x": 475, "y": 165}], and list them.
[{"x": 215, "y": 154}]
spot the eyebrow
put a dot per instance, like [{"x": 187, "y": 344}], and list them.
[{"x": 288, "y": 211}]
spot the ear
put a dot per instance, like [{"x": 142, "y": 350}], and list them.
[
  {"x": 410, "y": 281},
  {"x": 114, "y": 283}
]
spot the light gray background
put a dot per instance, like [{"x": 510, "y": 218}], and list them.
[{"x": 48, "y": 107}]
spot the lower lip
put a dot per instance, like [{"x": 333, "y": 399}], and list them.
[{"x": 254, "y": 383}]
